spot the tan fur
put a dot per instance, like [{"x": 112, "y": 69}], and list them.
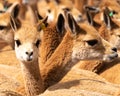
[
  {"x": 6, "y": 34},
  {"x": 72, "y": 49},
  {"x": 50, "y": 41},
  {"x": 81, "y": 80},
  {"x": 113, "y": 5},
  {"x": 105, "y": 69},
  {"x": 28, "y": 36},
  {"x": 55, "y": 9},
  {"x": 111, "y": 35},
  {"x": 62, "y": 61}
]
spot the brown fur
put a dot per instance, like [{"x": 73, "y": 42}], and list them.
[
  {"x": 50, "y": 41},
  {"x": 112, "y": 5},
  {"x": 106, "y": 70},
  {"x": 72, "y": 42},
  {"x": 7, "y": 33},
  {"x": 62, "y": 61},
  {"x": 77, "y": 79}
]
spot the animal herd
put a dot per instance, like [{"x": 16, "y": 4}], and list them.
[{"x": 59, "y": 48}]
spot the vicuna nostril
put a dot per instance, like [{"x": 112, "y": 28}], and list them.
[
  {"x": 29, "y": 53},
  {"x": 114, "y": 49},
  {"x": 116, "y": 55},
  {"x": 80, "y": 16}
]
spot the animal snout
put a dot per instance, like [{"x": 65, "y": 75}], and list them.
[{"x": 29, "y": 53}]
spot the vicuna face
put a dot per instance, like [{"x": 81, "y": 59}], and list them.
[
  {"x": 115, "y": 38},
  {"x": 6, "y": 32},
  {"x": 87, "y": 43},
  {"x": 27, "y": 40},
  {"x": 114, "y": 8},
  {"x": 5, "y": 28},
  {"x": 111, "y": 29}
]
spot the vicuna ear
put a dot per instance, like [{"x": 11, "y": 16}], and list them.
[
  {"x": 42, "y": 24},
  {"x": 92, "y": 9},
  {"x": 72, "y": 24},
  {"x": 15, "y": 23},
  {"x": 107, "y": 20},
  {"x": 39, "y": 17},
  {"x": 89, "y": 17},
  {"x": 14, "y": 10},
  {"x": 60, "y": 26}
]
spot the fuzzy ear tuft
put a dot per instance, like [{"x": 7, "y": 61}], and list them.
[
  {"x": 39, "y": 17},
  {"x": 107, "y": 19},
  {"x": 72, "y": 24},
  {"x": 15, "y": 23},
  {"x": 92, "y": 9},
  {"x": 60, "y": 26},
  {"x": 89, "y": 17},
  {"x": 15, "y": 11}
]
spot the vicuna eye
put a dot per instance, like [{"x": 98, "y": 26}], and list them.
[
  {"x": 49, "y": 10},
  {"x": 2, "y": 27},
  {"x": 118, "y": 36},
  {"x": 66, "y": 9},
  {"x": 114, "y": 12},
  {"x": 92, "y": 42},
  {"x": 18, "y": 42},
  {"x": 37, "y": 43}
]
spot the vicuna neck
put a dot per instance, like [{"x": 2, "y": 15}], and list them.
[
  {"x": 50, "y": 41},
  {"x": 55, "y": 68},
  {"x": 32, "y": 78}
]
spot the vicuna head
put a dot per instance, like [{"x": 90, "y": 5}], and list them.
[
  {"x": 87, "y": 44},
  {"x": 114, "y": 10},
  {"x": 6, "y": 32},
  {"x": 110, "y": 29},
  {"x": 27, "y": 40}
]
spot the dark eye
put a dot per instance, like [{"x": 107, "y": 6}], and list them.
[
  {"x": 2, "y": 27},
  {"x": 37, "y": 43},
  {"x": 92, "y": 42},
  {"x": 66, "y": 9},
  {"x": 118, "y": 36},
  {"x": 18, "y": 42},
  {"x": 1, "y": 11},
  {"x": 49, "y": 10},
  {"x": 114, "y": 12}
]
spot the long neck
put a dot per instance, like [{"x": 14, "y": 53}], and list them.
[
  {"x": 50, "y": 41},
  {"x": 32, "y": 78},
  {"x": 104, "y": 32},
  {"x": 55, "y": 68}
]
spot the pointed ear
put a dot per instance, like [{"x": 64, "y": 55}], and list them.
[
  {"x": 60, "y": 26},
  {"x": 15, "y": 24},
  {"x": 92, "y": 9},
  {"x": 107, "y": 20},
  {"x": 39, "y": 17},
  {"x": 42, "y": 24},
  {"x": 89, "y": 17},
  {"x": 72, "y": 24},
  {"x": 90, "y": 20},
  {"x": 14, "y": 10}
]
